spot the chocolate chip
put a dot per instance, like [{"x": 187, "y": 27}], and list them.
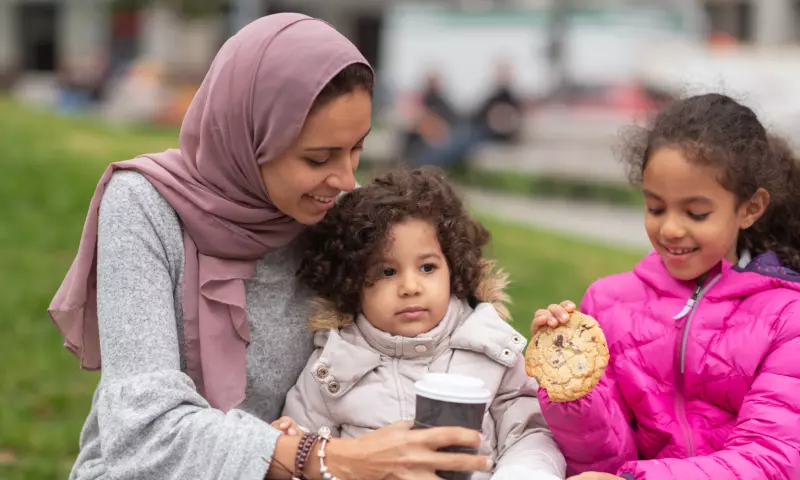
[
  {"x": 559, "y": 341},
  {"x": 537, "y": 341}
]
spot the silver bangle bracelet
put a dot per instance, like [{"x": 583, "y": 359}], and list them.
[{"x": 325, "y": 434}]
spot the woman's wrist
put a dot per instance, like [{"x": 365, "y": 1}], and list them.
[
  {"x": 337, "y": 460},
  {"x": 282, "y": 465}
]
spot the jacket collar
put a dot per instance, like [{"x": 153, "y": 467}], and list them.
[
  {"x": 349, "y": 354},
  {"x": 428, "y": 344},
  {"x": 753, "y": 274}
]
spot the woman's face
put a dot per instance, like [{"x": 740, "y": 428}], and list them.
[{"x": 304, "y": 181}]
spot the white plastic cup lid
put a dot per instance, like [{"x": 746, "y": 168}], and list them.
[{"x": 453, "y": 388}]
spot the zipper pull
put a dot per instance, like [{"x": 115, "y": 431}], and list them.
[{"x": 689, "y": 304}]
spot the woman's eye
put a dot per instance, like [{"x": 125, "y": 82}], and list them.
[
  {"x": 316, "y": 162},
  {"x": 698, "y": 216}
]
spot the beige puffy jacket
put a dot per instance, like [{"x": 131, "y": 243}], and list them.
[{"x": 360, "y": 379}]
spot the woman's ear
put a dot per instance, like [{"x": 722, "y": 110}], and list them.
[{"x": 753, "y": 209}]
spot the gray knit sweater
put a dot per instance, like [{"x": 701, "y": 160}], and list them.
[{"x": 147, "y": 421}]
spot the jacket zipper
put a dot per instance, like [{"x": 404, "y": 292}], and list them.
[
  {"x": 680, "y": 359},
  {"x": 398, "y": 387}
]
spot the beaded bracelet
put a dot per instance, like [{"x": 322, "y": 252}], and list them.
[
  {"x": 307, "y": 442},
  {"x": 325, "y": 435}
]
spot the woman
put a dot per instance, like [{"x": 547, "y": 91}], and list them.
[{"x": 184, "y": 289}]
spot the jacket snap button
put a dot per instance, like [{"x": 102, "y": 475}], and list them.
[
  {"x": 517, "y": 339},
  {"x": 506, "y": 352},
  {"x": 322, "y": 372},
  {"x": 420, "y": 349},
  {"x": 333, "y": 387}
]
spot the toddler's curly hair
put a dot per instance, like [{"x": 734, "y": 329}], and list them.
[{"x": 338, "y": 249}]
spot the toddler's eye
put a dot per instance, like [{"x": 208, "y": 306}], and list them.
[
  {"x": 655, "y": 211},
  {"x": 698, "y": 216},
  {"x": 427, "y": 268},
  {"x": 388, "y": 272}
]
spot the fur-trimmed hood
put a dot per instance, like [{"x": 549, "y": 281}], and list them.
[{"x": 491, "y": 289}]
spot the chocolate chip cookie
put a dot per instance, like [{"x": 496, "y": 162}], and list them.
[{"x": 568, "y": 360}]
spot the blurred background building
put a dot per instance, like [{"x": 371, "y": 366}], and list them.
[{"x": 609, "y": 60}]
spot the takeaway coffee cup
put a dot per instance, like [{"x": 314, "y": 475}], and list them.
[{"x": 450, "y": 400}]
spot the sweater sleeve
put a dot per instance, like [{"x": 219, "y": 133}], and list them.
[
  {"x": 150, "y": 420},
  {"x": 594, "y": 432}
]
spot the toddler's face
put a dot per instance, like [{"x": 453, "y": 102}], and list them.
[
  {"x": 409, "y": 288},
  {"x": 693, "y": 222}
]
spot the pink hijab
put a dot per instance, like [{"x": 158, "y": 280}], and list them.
[{"x": 249, "y": 109}]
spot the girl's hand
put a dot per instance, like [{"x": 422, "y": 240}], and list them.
[
  {"x": 288, "y": 426},
  {"x": 398, "y": 453},
  {"x": 595, "y": 476},
  {"x": 553, "y": 316}
]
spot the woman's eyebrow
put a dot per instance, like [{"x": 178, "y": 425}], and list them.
[{"x": 318, "y": 149}]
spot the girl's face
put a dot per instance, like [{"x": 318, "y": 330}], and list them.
[
  {"x": 693, "y": 222},
  {"x": 409, "y": 288},
  {"x": 304, "y": 182}
]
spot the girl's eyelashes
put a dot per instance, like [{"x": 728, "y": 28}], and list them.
[{"x": 699, "y": 217}]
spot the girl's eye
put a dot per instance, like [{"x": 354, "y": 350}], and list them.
[
  {"x": 427, "y": 268},
  {"x": 389, "y": 272},
  {"x": 655, "y": 211},
  {"x": 698, "y": 216}
]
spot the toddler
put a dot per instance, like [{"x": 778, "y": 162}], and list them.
[{"x": 405, "y": 290}]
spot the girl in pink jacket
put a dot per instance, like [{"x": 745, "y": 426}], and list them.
[{"x": 704, "y": 334}]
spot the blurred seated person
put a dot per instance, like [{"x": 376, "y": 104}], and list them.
[
  {"x": 433, "y": 121},
  {"x": 500, "y": 115},
  {"x": 498, "y": 119}
]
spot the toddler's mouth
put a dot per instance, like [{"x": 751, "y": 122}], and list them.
[{"x": 412, "y": 312}]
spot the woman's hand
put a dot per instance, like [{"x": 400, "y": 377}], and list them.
[
  {"x": 553, "y": 316},
  {"x": 595, "y": 476},
  {"x": 398, "y": 453}
]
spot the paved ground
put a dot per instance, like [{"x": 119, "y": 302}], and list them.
[{"x": 612, "y": 225}]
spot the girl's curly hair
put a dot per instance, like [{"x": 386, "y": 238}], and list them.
[
  {"x": 715, "y": 130},
  {"x": 339, "y": 248}
]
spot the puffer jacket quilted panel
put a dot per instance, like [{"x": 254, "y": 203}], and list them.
[{"x": 714, "y": 393}]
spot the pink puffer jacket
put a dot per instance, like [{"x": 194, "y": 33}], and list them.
[{"x": 711, "y": 394}]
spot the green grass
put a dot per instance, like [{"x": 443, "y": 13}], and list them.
[
  {"x": 517, "y": 183},
  {"x": 49, "y": 167},
  {"x": 547, "y": 268}
]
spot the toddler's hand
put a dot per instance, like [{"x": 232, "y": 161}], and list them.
[
  {"x": 553, "y": 315},
  {"x": 288, "y": 426}
]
